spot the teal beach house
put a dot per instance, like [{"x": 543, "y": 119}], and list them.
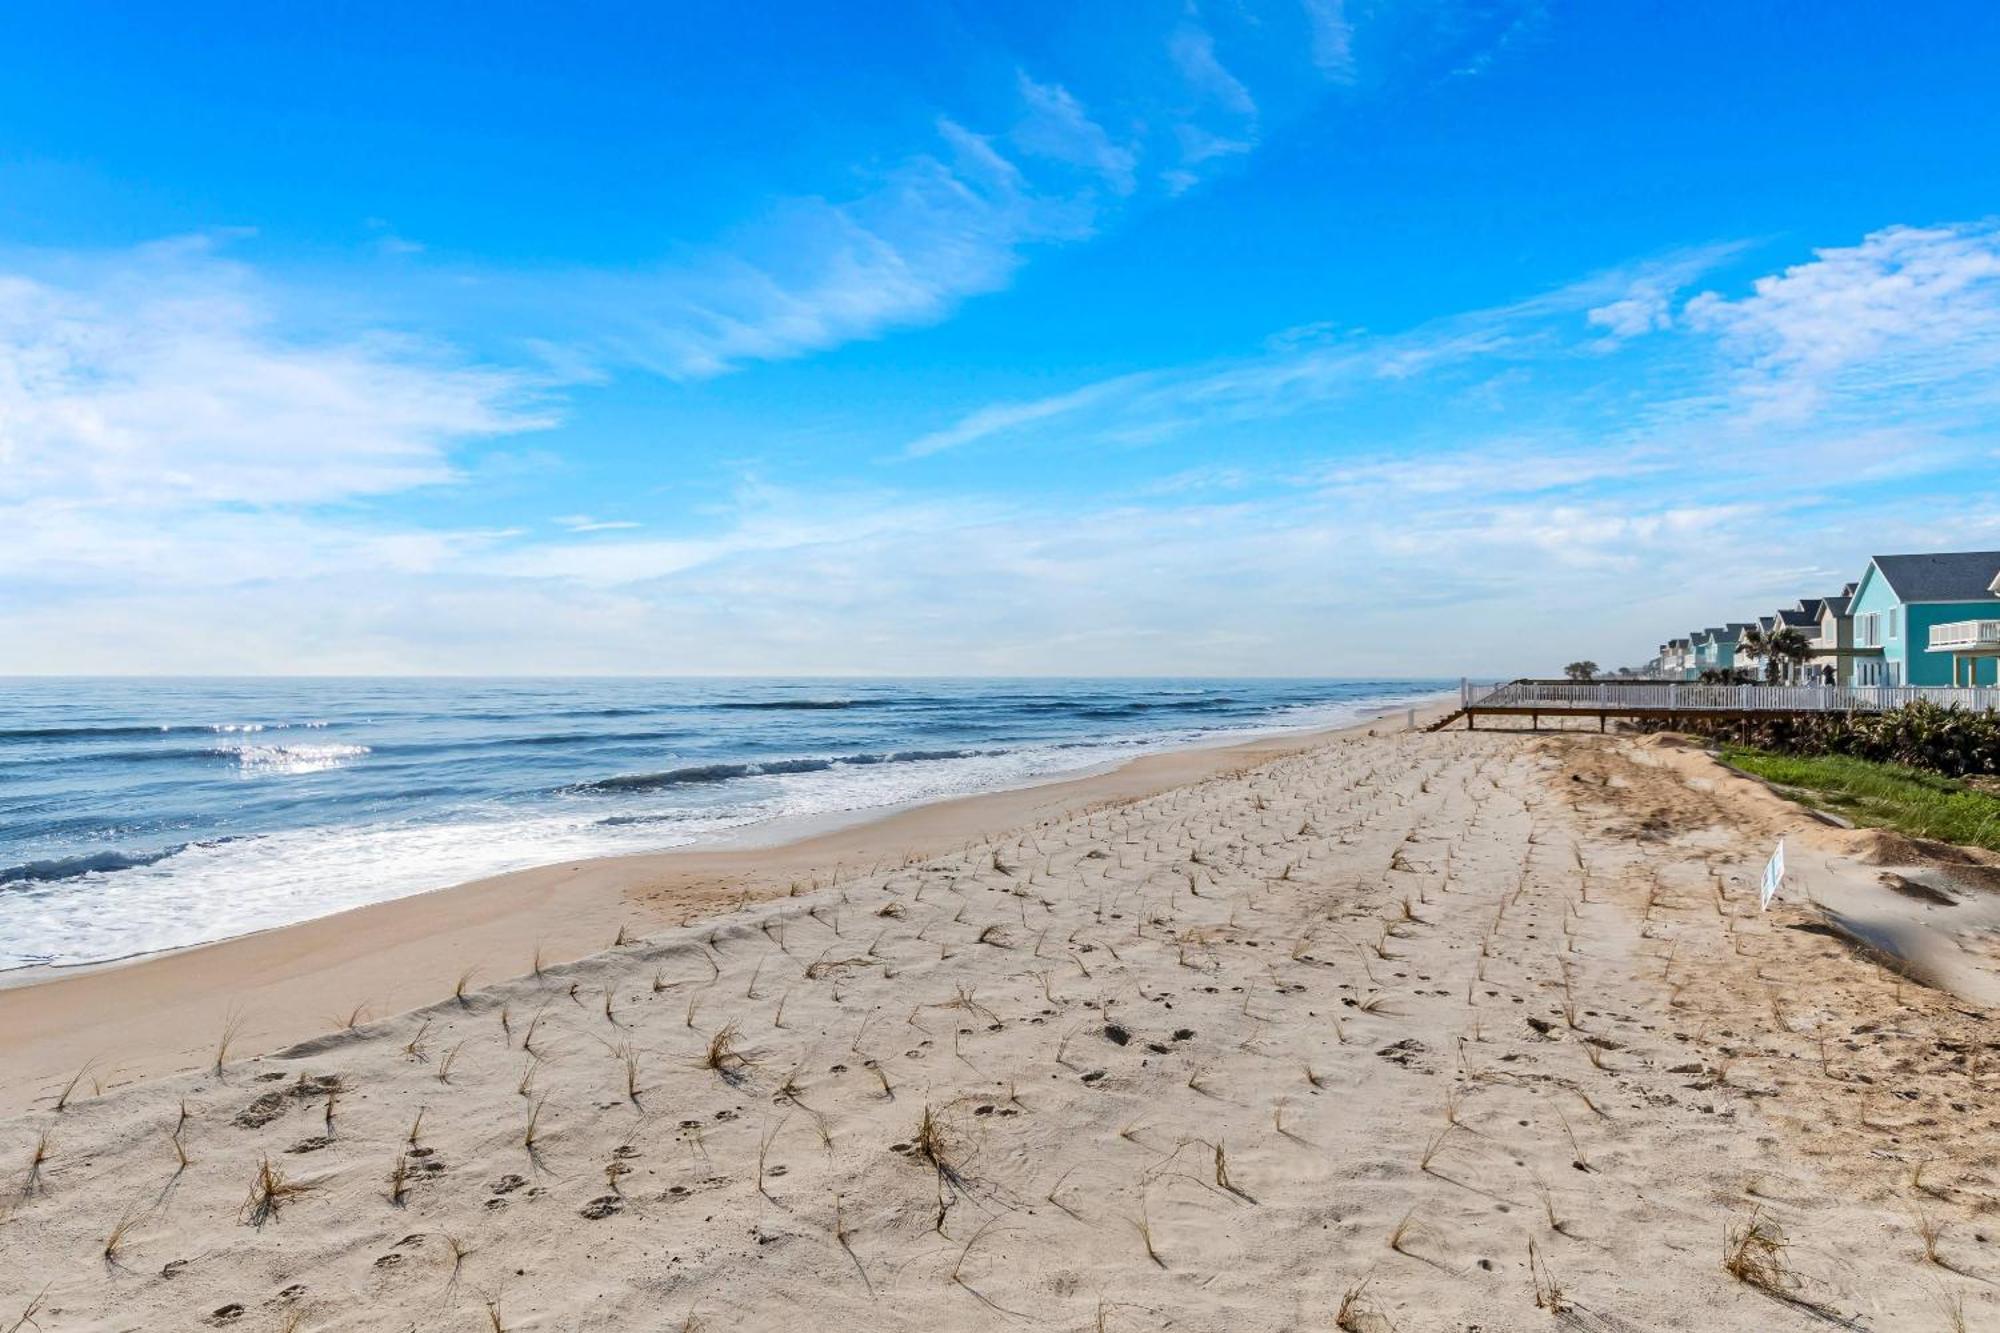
[
  {"x": 1933, "y": 619},
  {"x": 1715, "y": 648}
]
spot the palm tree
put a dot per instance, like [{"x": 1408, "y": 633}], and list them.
[
  {"x": 1788, "y": 647},
  {"x": 1754, "y": 646},
  {"x": 1777, "y": 649}
]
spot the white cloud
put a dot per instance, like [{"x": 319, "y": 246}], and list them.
[
  {"x": 876, "y": 583},
  {"x": 1193, "y": 50},
  {"x": 1641, "y": 312},
  {"x": 945, "y": 220},
  {"x": 1312, "y": 365},
  {"x": 950, "y": 221},
  {"x": 814, "y": 273},
  {"x": 1907, "y": 311},
  {"x": 585, "y": 523},
  {"x": 1056, "y": 126},
  {"x": 1500, "y": 468},
  {"x": 1002, "y": 417},
  {"x": 1332, "y": 37},
  {"x": 1344, "y": 558},
  {"x": 161, "y": 378}
]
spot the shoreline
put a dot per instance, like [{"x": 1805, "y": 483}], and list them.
[{"x": 155, "y": 1013}]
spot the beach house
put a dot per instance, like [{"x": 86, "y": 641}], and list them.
[
  {"x": 1799, "y": 620},
  {"x": 1927, "y": 620},
  {"x": 1830, "y": 639},
  {"x": 1676, "y": 660},
  {"x": 1715, "y": 647}
]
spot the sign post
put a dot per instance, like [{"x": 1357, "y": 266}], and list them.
[{"x": 1774, "y": 875}]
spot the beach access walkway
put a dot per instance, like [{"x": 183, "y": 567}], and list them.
[{"x": 1661, "y": 700}]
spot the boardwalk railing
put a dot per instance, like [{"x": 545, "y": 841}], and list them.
[{"x": 1555, "y": 696}]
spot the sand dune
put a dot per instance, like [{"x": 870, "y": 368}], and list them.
[{"x": 1404, "y": 1031}]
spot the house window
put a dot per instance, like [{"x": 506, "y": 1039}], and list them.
[
  {"x": 1868, "y": 630},
  {"x": 1896, "y": 623}
]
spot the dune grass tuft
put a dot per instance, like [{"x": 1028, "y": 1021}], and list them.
[
  {"x": 1753, "y": 1252},
  {"x": 114, "y": 1244},
  {"x": 69, "y": 1089},
  {"x": 232, "y": 1028},
  {"x": 531, "y": 1135},
  {"x": 27, "y": 1316},
  {"x": 1351, "y": 1312},
  {"x": 1143, "y": 1224},
  {"x": 269, "y": 1192},
  {"x": 722, "y": 1055}
]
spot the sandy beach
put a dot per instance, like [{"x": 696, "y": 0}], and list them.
[
  {"x": 154, "y": 1014},
  {"x": 1371, "y": 1030}
]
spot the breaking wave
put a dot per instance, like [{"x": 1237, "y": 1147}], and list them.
[
  {"x": 91, "y": 863},
  {"x": 701, "y": 775}
]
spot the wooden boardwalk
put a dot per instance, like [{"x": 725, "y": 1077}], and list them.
[{"x": 1658, "y": 700}]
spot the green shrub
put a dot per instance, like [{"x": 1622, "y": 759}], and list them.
[{"x": 1953, "y": 741}]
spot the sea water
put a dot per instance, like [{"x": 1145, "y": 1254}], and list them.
[{"x": 138, "y": 815}]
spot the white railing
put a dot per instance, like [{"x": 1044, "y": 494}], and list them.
[
  {"x": 1690, "y": 696},
  {"x": 1965, "y": 634}
]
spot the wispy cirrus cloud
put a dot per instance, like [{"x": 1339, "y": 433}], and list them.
[
  {"x": 1000, "y": 418},
  {"x": 1056, "y": 127},
  {"x": 1309, "y": 367},
  {"x": 955, "y": 218},
  {"x": 585, "y": 523},
  {"x": 1900, "y": 330},
  {"x": 1332, "y": 37},
  {"x": 948, "y": 221}
]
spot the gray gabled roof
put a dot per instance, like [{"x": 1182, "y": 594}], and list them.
[
  {"x": 1838, "y": 605},
  {"x": 1944, "y": 576},
  {"x": 1801, "y": 619}
]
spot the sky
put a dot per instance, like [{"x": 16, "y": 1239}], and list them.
[{"x": 1316, "y": 337}]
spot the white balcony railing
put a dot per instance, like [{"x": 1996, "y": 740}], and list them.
[{"x": 1960, "y": 635}]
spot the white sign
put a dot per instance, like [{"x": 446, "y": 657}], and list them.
[{"x": 1774, "y": 875}]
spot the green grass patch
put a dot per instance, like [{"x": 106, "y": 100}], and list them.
[{"x": 1908, "y": 800}]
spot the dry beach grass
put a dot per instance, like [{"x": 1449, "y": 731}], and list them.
[{"x": 1400, "y": 1032}]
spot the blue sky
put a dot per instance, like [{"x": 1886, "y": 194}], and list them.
[{"x": 1306, "y": 337}]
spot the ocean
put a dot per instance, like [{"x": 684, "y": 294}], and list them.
[{"x": 138, "y": 815}]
